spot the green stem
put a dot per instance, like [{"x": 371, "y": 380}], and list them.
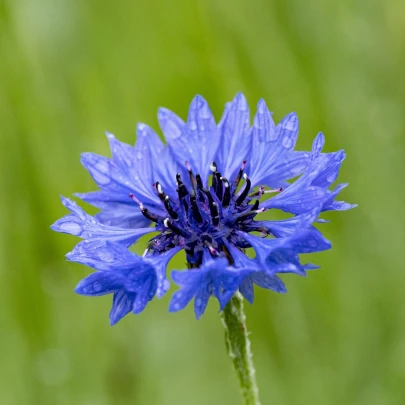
[{"x": 238, "y": 346}]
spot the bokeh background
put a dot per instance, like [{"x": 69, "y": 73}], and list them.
[{"x": 71, "y": 69}]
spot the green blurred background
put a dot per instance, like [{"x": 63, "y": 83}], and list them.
[{"x": 71, "y": 69}]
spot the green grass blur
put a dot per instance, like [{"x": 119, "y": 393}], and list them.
[{"x": 71, "y": 69}]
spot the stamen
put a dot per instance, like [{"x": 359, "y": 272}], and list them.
[
  {"x": 145, "y": 211},
  {"x": 245, "y": 192},
  {"x": 255, "y": 205},
  {"x": 199, "y": 182},
  {"x": 213, "y": 168},
  {"x": 213, "y": 208},
  {"x": 160, "y": 191},
  {"x": 227, "y": 253},
  {"x": 214, "y": 213},
  {"x": 227, "y": 195},
  {"x": 192, "y": 178},
  {"x": 168, "y": 224},
  {"x": 239, "y": 176},
  {"x": 181, "y": 188},
  {"x": 200, "y": 187},
  {"x": 257, "y": 202},
  {"x": 219, "y": 188},
  {"x": 194, "y": 208},
  {"x": 212, "y": 250},
  {"x": 248, "y": 213},
  {"x": 276, "y": 190},
  {"x": 170, "y": 209},
  {"x": 132, "y": 197}
]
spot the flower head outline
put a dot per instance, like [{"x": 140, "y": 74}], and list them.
[{"x": 203, "y": 191}]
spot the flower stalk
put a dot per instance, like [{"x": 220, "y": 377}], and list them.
[{"x": 238, "y": 347}]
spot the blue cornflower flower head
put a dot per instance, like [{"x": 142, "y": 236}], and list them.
[{"x": 203, "y": 191}]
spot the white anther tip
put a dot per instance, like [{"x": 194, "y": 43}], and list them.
[
  {"x": 166, "y": 222},
  {"x": 245, "y": 176}
]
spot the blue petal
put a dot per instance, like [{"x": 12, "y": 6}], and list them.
[
  {"x": 175, "y": 132},
  {"x": 132, "y": 278},
  {"x": 301, "y": 196},
  {"x": 246, "y": 289},
  {"x": 103, "y": 255},
  {"x": 106, "y": 199},
  {"x": 269, "y": 282},
  {"x": 202, "y": 296},
  {"x": 164, "y": 166},
  {"x": 241, "y": 260},
  {"x": 160, "y": 261},
  {"x": 310, "y": 190},
  {"x": 135, "y": 165},
  {"x": 189, "y": 282},
  {"x": 122, "y": 305},
  {"x": 99, "y": 283},
  {"x": 195, "y": 141},
  {"x": 236, "y": 137},
  {"x": 292, "y": 165},
  {"x": 264, "y": 129},
  {"x": 339, "y": 206},
  {"x": 122, "y": 155},
  {"x": 268, "y": 266},
  {"x": 123, "y": 216},
  {"x": 127, "y": 172},
  {"x": 287, "y": 131},
  {"x": 310, "y": 241},
  {"x": 297, "y": 200},
  {"x": 213, "y": 278},
  {"x": 318, "y": 144},
  {"x": 203, "y": 135},
  {"x": 147, "y": 165},
  {"x": 330, "y": 164},
  {"x": 261, "y": 271},
  {"x": 172, "y": 126},
  {"x": 286, "y": 260},
  {"x": 331, "y": 205},
  {"x": 264, "y": 247},
  {"x": 118, "y": 210},
  {"x": 81, "y": 224},
  {"x": 282, "y": 228},
  {"x": 144, "y": 294},
  {"x": 227, "y": 282},
  {"x": 273, "y": 159},
  {"x": 101, "y": 169}
]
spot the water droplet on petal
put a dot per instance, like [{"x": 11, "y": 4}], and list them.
[
  {"x": 287, "y": 142},
  {"x": 166, "y": 285},
  {"x": 97, "y": 286}
]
